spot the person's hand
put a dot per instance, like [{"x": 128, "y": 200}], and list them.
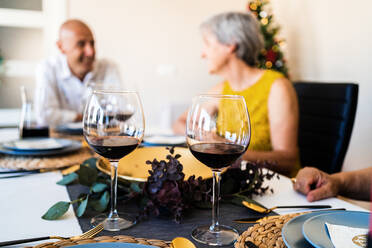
[
  {"x": 79, "y": 117},
  {"x": 316, "y": 184}
]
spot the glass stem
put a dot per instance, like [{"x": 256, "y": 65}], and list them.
[
  {"x": 215, "y": 200},
  {"x": 114, "y": 181}
]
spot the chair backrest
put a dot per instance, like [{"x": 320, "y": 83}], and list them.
[{"x": 327, "y": 112}]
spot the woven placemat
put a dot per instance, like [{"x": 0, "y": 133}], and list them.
[
  {"x": 49, "y": 162},
  {"x": 267, "y": 233},
  {"x": 106, "y": 239}
]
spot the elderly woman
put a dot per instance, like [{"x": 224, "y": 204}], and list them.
[{"x": 232, "y": 42}]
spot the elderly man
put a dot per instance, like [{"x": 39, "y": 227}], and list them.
[{"x": 62, "y": 81}]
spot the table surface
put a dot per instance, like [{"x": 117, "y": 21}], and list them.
[{"x": 25, "y": 199}]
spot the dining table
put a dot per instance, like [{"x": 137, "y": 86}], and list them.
[{"x": 25, "y": 199}]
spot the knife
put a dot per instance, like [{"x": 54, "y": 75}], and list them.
[
  {"x": 17, "y": 173},
  {"x": 254, "y": 220},
  {"x": 20, "y": 173}
]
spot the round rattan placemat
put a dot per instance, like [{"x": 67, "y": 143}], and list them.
[
  {"x": 49, "y": 162},
  {"x": 267, "y": 233},
  {"x": 106, "y": 239}
]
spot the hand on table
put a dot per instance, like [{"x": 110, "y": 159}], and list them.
[
  {"x": 79, "y": 117},
  {"x": 316, "y": 184}
]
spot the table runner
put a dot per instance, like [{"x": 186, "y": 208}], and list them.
[{"x": 165, "y": 228}]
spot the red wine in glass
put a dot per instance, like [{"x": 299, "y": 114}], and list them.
[
  {"x": 217, "y": 155},
  {"x": 217, "y": 133},
  {"x": 30, "y": 132},
  {"x": 113, "y": 148},
  {"x": 113, "y": 126}
]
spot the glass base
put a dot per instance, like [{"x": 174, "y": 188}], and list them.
[
  {"x": 224, "y": 235},
  {"x": 124, "y": 221}
]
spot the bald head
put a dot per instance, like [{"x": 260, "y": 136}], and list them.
[
  {"x": 73, "y": 27},
  {"x": 77, "y": 43}
]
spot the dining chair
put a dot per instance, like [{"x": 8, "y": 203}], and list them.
[{"x": 327, "y": 112}]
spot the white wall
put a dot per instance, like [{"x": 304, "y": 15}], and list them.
[
  {"x": 331, "y": 41},
  {"x": 26, "y": 37},
  {"x": 18, "y": 52}
]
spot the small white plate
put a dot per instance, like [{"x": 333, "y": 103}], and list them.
[
  {"x": 32, "y": 144},
  {"x": 75, "y": 145}
]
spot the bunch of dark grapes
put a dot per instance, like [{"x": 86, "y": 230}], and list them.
[
  {"x": 167, "y": 191},
  {"x": 247, "y": 178}
]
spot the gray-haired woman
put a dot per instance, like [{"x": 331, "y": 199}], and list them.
[{"x": 232, "y": 42}]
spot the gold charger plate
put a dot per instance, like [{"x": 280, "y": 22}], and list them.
[{"x": 134, "y": 168}]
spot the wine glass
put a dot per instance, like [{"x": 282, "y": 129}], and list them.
[
  {"x": 217, "y": 133},
  {"x": 93, "y": 85},
  {"x": 114, "y": 125}
]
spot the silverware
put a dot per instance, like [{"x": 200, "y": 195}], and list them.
[
  {"x": 253, "y": 220},
  {"x": 17, "y": 173},
  {"x": 263, "y": 210},
  {"x": 88, "y": 234},
  {"x": 21, "y": 173}
]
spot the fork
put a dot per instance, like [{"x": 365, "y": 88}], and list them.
[{"x": 88, "y": 234}]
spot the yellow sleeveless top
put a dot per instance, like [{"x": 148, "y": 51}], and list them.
[{"x": 256, "y": 98}]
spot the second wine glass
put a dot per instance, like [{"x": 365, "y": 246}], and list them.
[
  {"x": 114, "y": 126},
  {"x": 218, "y": 133}
]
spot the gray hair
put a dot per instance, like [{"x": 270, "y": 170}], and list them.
[{"x": 240, "y": 29}]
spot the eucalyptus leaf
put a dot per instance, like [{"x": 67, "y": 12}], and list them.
[
  {"x": 91, "y": 162},
  {"x": 56, "y": 211},
  {"x": 68, "y": 179},
  {"x": 98, "y": 187},
  {"x": 87, "y": 175},
  {"x": 82, "y": 207},
  {"x": 135, "y": 187},
  {"x": 100, "y": 205}
]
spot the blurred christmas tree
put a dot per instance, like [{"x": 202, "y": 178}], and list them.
[{"x": 272, "y": 56}]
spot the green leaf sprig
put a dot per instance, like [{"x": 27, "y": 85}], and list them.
[{"x": 98, "y": 196}]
